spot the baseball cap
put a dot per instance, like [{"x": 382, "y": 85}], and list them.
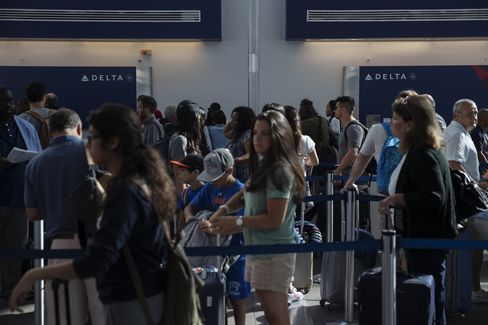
[
  {"x": 215, "y": 164},
  {"x": 191, "y": 161},
  {"x": 190, "y": 105}
]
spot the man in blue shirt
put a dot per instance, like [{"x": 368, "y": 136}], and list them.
[
  {"x": 14, "y": 132},
  {"x": 220, "y": 187},
  {"x": 64, "y": 164}
]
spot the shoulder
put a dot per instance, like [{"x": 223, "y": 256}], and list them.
[
  {"x": 306, "y": 141},
  {"x": 425, "y": 156}
]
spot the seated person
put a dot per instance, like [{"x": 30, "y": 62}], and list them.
[{"x": 221, "y": 186}]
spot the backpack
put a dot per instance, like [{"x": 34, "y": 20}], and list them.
[
  {"x": 182, "y": 284},
  {"x": 470, "y": 198},
  {"x": 162, "y": 147},
  {"x": 371, "y": 167},
  {"x": 389, "y": 159},
  {"x": 325, "y": 151},
  {"x": 44, "y": 127},
  {"x": 333, "y": 137}
]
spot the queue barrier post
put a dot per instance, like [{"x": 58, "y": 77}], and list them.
[{"x": 389, "y": 274}]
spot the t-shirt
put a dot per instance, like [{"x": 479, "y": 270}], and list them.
[
  {"x": 335, "y": 125},
  {"x": 152, "y": 131},
  {"x": 211, "y": 197},
  {"x": 189, "y": 194},
  {"x": 460, "y": 148},
  {"x": 394, "y": 176},
  {"x": 375, "y": 139},
  {"x": 42, "y": 112},
  {"x": 256, "y": 203},
  {"x": 355, "y": 134},
  {"x": 306, "y": 146}
]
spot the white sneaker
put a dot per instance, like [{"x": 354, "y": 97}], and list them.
[{"x": 479, "y": 297}]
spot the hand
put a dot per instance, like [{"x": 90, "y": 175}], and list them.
[
  {"x": 224, "y": 225},
  {"x": 349, "y": 185},
  {"x": 385, "y": 204},
  {"x": 206, "y": 227},
  {"x": 20, "y": 291}
]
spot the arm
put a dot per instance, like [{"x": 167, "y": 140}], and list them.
[
  {"x": 481, "y": 157},
  {"x": 64, "y": 271},
  {"x": 347, "y": 161},
  {"x": 189, "y": 212},
  {"x": 457, "y": 165},
  {"x": 312, "y": 159},
  {"x": 33, "y": 214},
  {"x": 245, "y": 157},
  {"x": 275, "y": 216},
  {"x": 357, "y": 169}
]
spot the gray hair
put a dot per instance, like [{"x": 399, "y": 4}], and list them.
[
  {"x": 63, "y": 119},
  {"x": 460, "y": 103},
  {"x": 170, "y": 113}
]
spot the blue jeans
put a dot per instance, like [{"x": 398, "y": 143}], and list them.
[{"x": 431, "y": 262}]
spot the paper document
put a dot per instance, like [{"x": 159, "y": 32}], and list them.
[{"x": 20, "y": 155}]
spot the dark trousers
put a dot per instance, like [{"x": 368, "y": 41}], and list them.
[{"x": 431, "y": 262}]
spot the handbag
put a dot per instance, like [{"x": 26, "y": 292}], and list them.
[{"x": 470, "y": 198}]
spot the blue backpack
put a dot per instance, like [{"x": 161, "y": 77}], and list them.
[{"x": 389, "y": 159}]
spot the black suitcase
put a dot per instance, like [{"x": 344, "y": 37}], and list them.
[
  {"x": 56, "y": 283},
  {"x": 415, "y": 298},
  {"x": 212, "y": 295}
]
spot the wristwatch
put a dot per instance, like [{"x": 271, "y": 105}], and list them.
[{"x": 239, "y": 222}]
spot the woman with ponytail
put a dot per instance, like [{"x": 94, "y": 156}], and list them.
[{"x": 140, "y": 197}]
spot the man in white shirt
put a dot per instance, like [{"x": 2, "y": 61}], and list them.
[{"x": 462, "y": 155}]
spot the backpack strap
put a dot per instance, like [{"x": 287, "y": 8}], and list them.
[
  {"x": 136, "y": 281},
  {"x": 387, "y": 127},
  {"x": 35, "y": 115},
  {"x": 365, "y": 129}
]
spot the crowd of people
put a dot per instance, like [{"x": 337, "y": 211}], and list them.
[{"x": 248, "y": 171}]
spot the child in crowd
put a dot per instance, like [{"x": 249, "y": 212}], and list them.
[
  {"x": 187, "y": 170},
  {"x": 221, "y": 186}
]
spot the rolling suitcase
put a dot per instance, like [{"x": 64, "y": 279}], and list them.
[
  {"x": 458, "y": 279},
  {"x": 303, "y": 276},
  {"x": 212, "y": 295},
  {"x": 414, "y": 298},
  {"x": 56, "y": 283}
]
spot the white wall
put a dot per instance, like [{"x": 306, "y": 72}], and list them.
[{"x": 218, "y": 71}]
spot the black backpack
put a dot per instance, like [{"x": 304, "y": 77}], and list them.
[{"x": 372, "y": 166}]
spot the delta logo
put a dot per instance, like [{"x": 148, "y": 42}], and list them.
[
  {"x": 106, "y": 77},
  {"x": 390, "y": 76}
]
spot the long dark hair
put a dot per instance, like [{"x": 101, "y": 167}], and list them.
[
  {"x": 140, "y": 162},
  {"x": 190, "y": 126},
  {"x": 291, "y": 115},
  {"x": 281, "y": 157},
  {"x": 245, "y": 121}
]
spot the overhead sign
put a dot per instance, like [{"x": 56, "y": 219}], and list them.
[
  {"x": 111, "y": 19},
  {"x": 378, "y": 86},
  {"x": 385, "y": 19},
  {"x": 80, "y": 88}
]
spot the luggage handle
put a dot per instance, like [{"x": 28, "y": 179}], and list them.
[{"x": 55, "y": 283}]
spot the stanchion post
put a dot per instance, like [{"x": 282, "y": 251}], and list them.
[
  {"x": 389, "y": 275},
  {"x": 39, "y": 285},
  {"x": 330, "y": 207},
  {"x": 350, "y": 236}
]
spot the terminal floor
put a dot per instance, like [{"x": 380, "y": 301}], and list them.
[{"x": 307, "y": 312}]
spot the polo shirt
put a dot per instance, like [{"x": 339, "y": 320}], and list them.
[{"x": 50, "y": 179}]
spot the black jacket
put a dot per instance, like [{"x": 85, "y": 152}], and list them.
[{"x": 425, "y": 181}]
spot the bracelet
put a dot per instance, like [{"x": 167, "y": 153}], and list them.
[{"x": 225, "y": 207}]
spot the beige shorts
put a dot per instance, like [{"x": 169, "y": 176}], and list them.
[{"x": 272, "y": 273}]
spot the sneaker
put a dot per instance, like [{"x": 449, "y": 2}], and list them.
[
  {"x": 479, "y": 297},
  {"x": 294, "y": 296}
]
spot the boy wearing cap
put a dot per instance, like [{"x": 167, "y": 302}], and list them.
[
  {"x": 221, "y": 186},
  {"x": 187, "y": 170}
]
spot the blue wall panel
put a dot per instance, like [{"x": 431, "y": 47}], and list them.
[
  {"x": 143, "y": 19},
  {"x": 378, "y": 86},
  {"x": 383, "y": 19},
  {"x": 80, "y": 88}
]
